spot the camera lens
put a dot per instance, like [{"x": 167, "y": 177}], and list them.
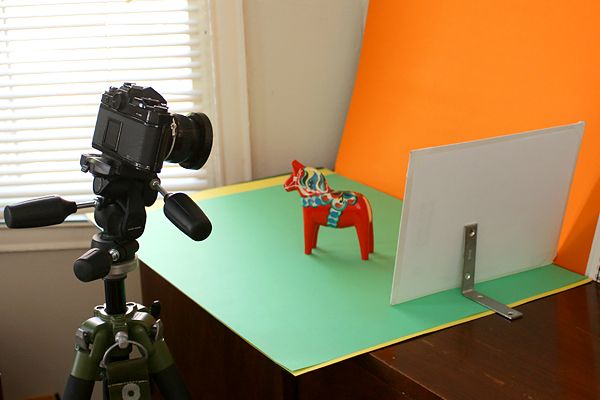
[{"x": 192, "y": 140}]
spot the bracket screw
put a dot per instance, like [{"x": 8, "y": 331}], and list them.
[
  {"x": 114, "y": 253},
  {"x": 122, "y": 339}
]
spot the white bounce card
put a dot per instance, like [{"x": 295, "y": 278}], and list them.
[{"x": 514, "y": 187}]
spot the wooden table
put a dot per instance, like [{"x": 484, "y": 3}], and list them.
[{"x": 552, "y": 353}]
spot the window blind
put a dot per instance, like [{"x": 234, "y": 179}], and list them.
[{"x": 56, "y": 60}]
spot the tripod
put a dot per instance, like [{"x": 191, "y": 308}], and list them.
[
  {"x": 104, "y": 344},
  {"x": 122, "y": 345}
]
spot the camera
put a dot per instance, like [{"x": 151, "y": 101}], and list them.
[{"x": 134, "y": 126}]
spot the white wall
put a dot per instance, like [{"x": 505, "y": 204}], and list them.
[
  {"x": 301, "y": 57},
  {"x": 41, "y": 305}
]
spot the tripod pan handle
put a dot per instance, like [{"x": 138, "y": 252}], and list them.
[
  {"x": 187, "y": 216},
  {"x": 93, "y": 264},
  {"x": 43, "y": 211}
]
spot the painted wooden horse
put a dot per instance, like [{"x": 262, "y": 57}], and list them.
[{"x": 325, "y": 207}]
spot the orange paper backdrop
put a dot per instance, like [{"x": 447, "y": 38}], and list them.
[{"x": 447, "y": 71}]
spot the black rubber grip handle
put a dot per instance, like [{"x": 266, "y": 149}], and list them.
[
  {"x": 43, "y": 211},
  {"x": 187, "y": 216},
  {"x": 93, "y": 264},
  {"x": 170, "y": 384},
  {"x": 78, "y": 389}
]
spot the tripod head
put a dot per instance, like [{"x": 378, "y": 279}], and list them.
[
  {"x": 123, "y": 193},
  {"x": 136, "y": 134}
]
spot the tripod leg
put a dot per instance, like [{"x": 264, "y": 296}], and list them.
[
  {"x": 86, "y": 370},
  {"x": 171, "y": 384},
  {"x": 78, "y": 389},
  {"x": 165, "y": 374},
  {"x": 161, "y": 365}
]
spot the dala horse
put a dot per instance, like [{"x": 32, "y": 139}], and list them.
[{"x": 325, "y": 207}]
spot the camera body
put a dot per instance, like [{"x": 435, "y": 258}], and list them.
[{"x": 134, "y": 126}]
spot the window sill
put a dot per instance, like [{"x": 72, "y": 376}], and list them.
[{"x": 67, "y": 236}]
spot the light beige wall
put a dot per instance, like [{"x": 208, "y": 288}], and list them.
[
  {"x": 41, "y": 306},
  {"x": 301, "y": 57}
]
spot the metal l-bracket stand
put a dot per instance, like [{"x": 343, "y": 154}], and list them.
[{"x": 468, "y": 278}]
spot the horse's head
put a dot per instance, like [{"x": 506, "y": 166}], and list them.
[
  {"x": 308, "y": 181},
  {"x": 293, "y": 181}
]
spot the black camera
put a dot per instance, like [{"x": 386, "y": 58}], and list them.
[
  {"x": 135, "y": 133},
  {"x": 134, "y": 126}
]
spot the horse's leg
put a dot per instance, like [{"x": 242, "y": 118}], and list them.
[
  {"x": 315, "y": 235},
  {"x": 309, "y": 233},
  {"x": 371, "y": 238},
  {"x": 362, "y": 230}
]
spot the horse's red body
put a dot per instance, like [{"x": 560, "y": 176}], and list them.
[{"x": 325, "y": 207}]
